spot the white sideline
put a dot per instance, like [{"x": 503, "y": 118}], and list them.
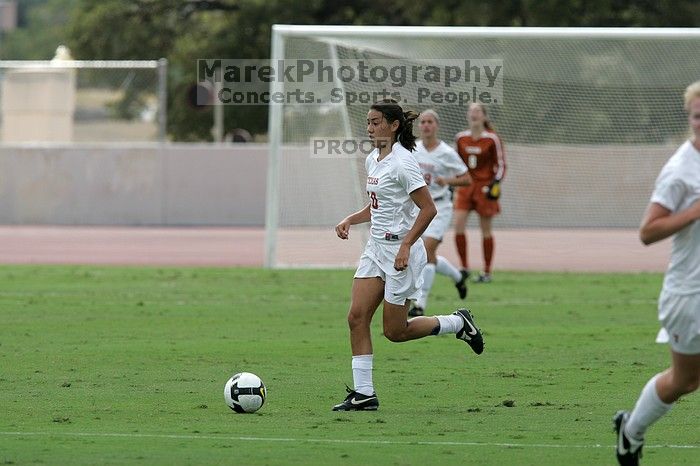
[{"x": 315, "y": 440}]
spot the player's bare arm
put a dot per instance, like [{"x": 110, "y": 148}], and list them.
[
  {"x": 464, "y": 179},
  {"x": 361, "y": 216},
  {"x": 659, "y": 223},
  {"x": 421, "y": 197}
]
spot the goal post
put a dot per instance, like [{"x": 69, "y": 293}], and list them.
[{"x": 587, "y": 116}]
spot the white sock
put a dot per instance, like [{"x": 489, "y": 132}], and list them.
[
  {"x": 445, "y": 268},
  {"x": 428, "y": 279},
  {"x": 450, "y": 324},
  {"x": 362, "y": 373},
  {"x": 649, "y": 409}
]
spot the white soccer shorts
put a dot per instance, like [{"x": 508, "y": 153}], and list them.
[
  {"x": 680, "y": 319},
  {"x": 377, "y": 260},
  {"x": 439, "y": 225}
]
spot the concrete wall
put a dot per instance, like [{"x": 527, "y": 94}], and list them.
[
  {"x": 146, "y": 184},
  {"x": 37, "y": 105},
  {"x": 199, "y": 184}
]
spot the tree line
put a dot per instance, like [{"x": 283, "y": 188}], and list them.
[{"x": 186, "y": 30}]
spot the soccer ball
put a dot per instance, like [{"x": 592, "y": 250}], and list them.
[{"x": 244, "y": 392}]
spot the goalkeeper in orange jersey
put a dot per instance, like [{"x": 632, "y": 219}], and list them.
[{"x": 482, "y": 152}]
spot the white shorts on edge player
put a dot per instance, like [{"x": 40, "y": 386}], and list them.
[
  {"x": 441, "y": 223},
  {"x": 679, "y": 315},
  {"x": 377, "y": 260}
]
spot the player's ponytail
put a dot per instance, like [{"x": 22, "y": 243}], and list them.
[
  {"x": 392, "y": 111},
  {"x": 487, "y": 121},
  {"x": 405, "y": 131}
]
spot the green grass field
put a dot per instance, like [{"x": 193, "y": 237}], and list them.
[{"x": 127, "y": 366}]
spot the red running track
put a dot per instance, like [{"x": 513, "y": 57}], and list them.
[{"x": 534, "y": 250}]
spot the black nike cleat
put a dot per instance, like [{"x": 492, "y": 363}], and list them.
[
  {"x": 415, "y": 311},
  {"x": 461, "y": 285},
  {"x": 358, "y": 402},
  {"x": 628, "y": 451},
  {"x": 470, "y": 333}
]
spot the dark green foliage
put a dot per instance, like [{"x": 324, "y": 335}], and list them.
[{"x": 186, "y": 30}]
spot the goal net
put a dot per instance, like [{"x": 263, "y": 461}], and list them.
[{"x": 587, "y": 118}]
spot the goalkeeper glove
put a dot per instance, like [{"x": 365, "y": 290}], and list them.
[{"x": 494, "y": 191}]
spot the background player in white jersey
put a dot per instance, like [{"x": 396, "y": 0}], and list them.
[
  {"x": 391, "y": 265},
  {"x": 674, "y": 209},
  {"x": 441, "y": 168}
]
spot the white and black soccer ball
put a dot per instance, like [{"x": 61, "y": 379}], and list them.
[{"x": 245, "y": 392}]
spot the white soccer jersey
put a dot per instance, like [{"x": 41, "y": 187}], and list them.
[
  {"x": 389, "y": 183},
  {"x": 677, "y": 188},
  {"x": 442, "y": 161}
]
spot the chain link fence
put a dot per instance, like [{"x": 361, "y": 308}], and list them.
[{"x": 83, "y": 101}]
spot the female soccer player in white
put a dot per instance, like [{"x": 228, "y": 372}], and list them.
[
  {"x": 674, "y": 210},
  {"x": 442, "y": 168},
  {"x": 391, "y": 265}
]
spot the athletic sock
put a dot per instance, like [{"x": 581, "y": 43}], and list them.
[
  {"x": 450, "y": 324},
  {"x": 362, "y": 373},
  {"x": 461, "y": 241},
  {"x": 649, "y": 409},
  {"x": 428, "y": 279},
  {"x": 445, "y": 268},
  {"x": 488, "y": 253}
]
